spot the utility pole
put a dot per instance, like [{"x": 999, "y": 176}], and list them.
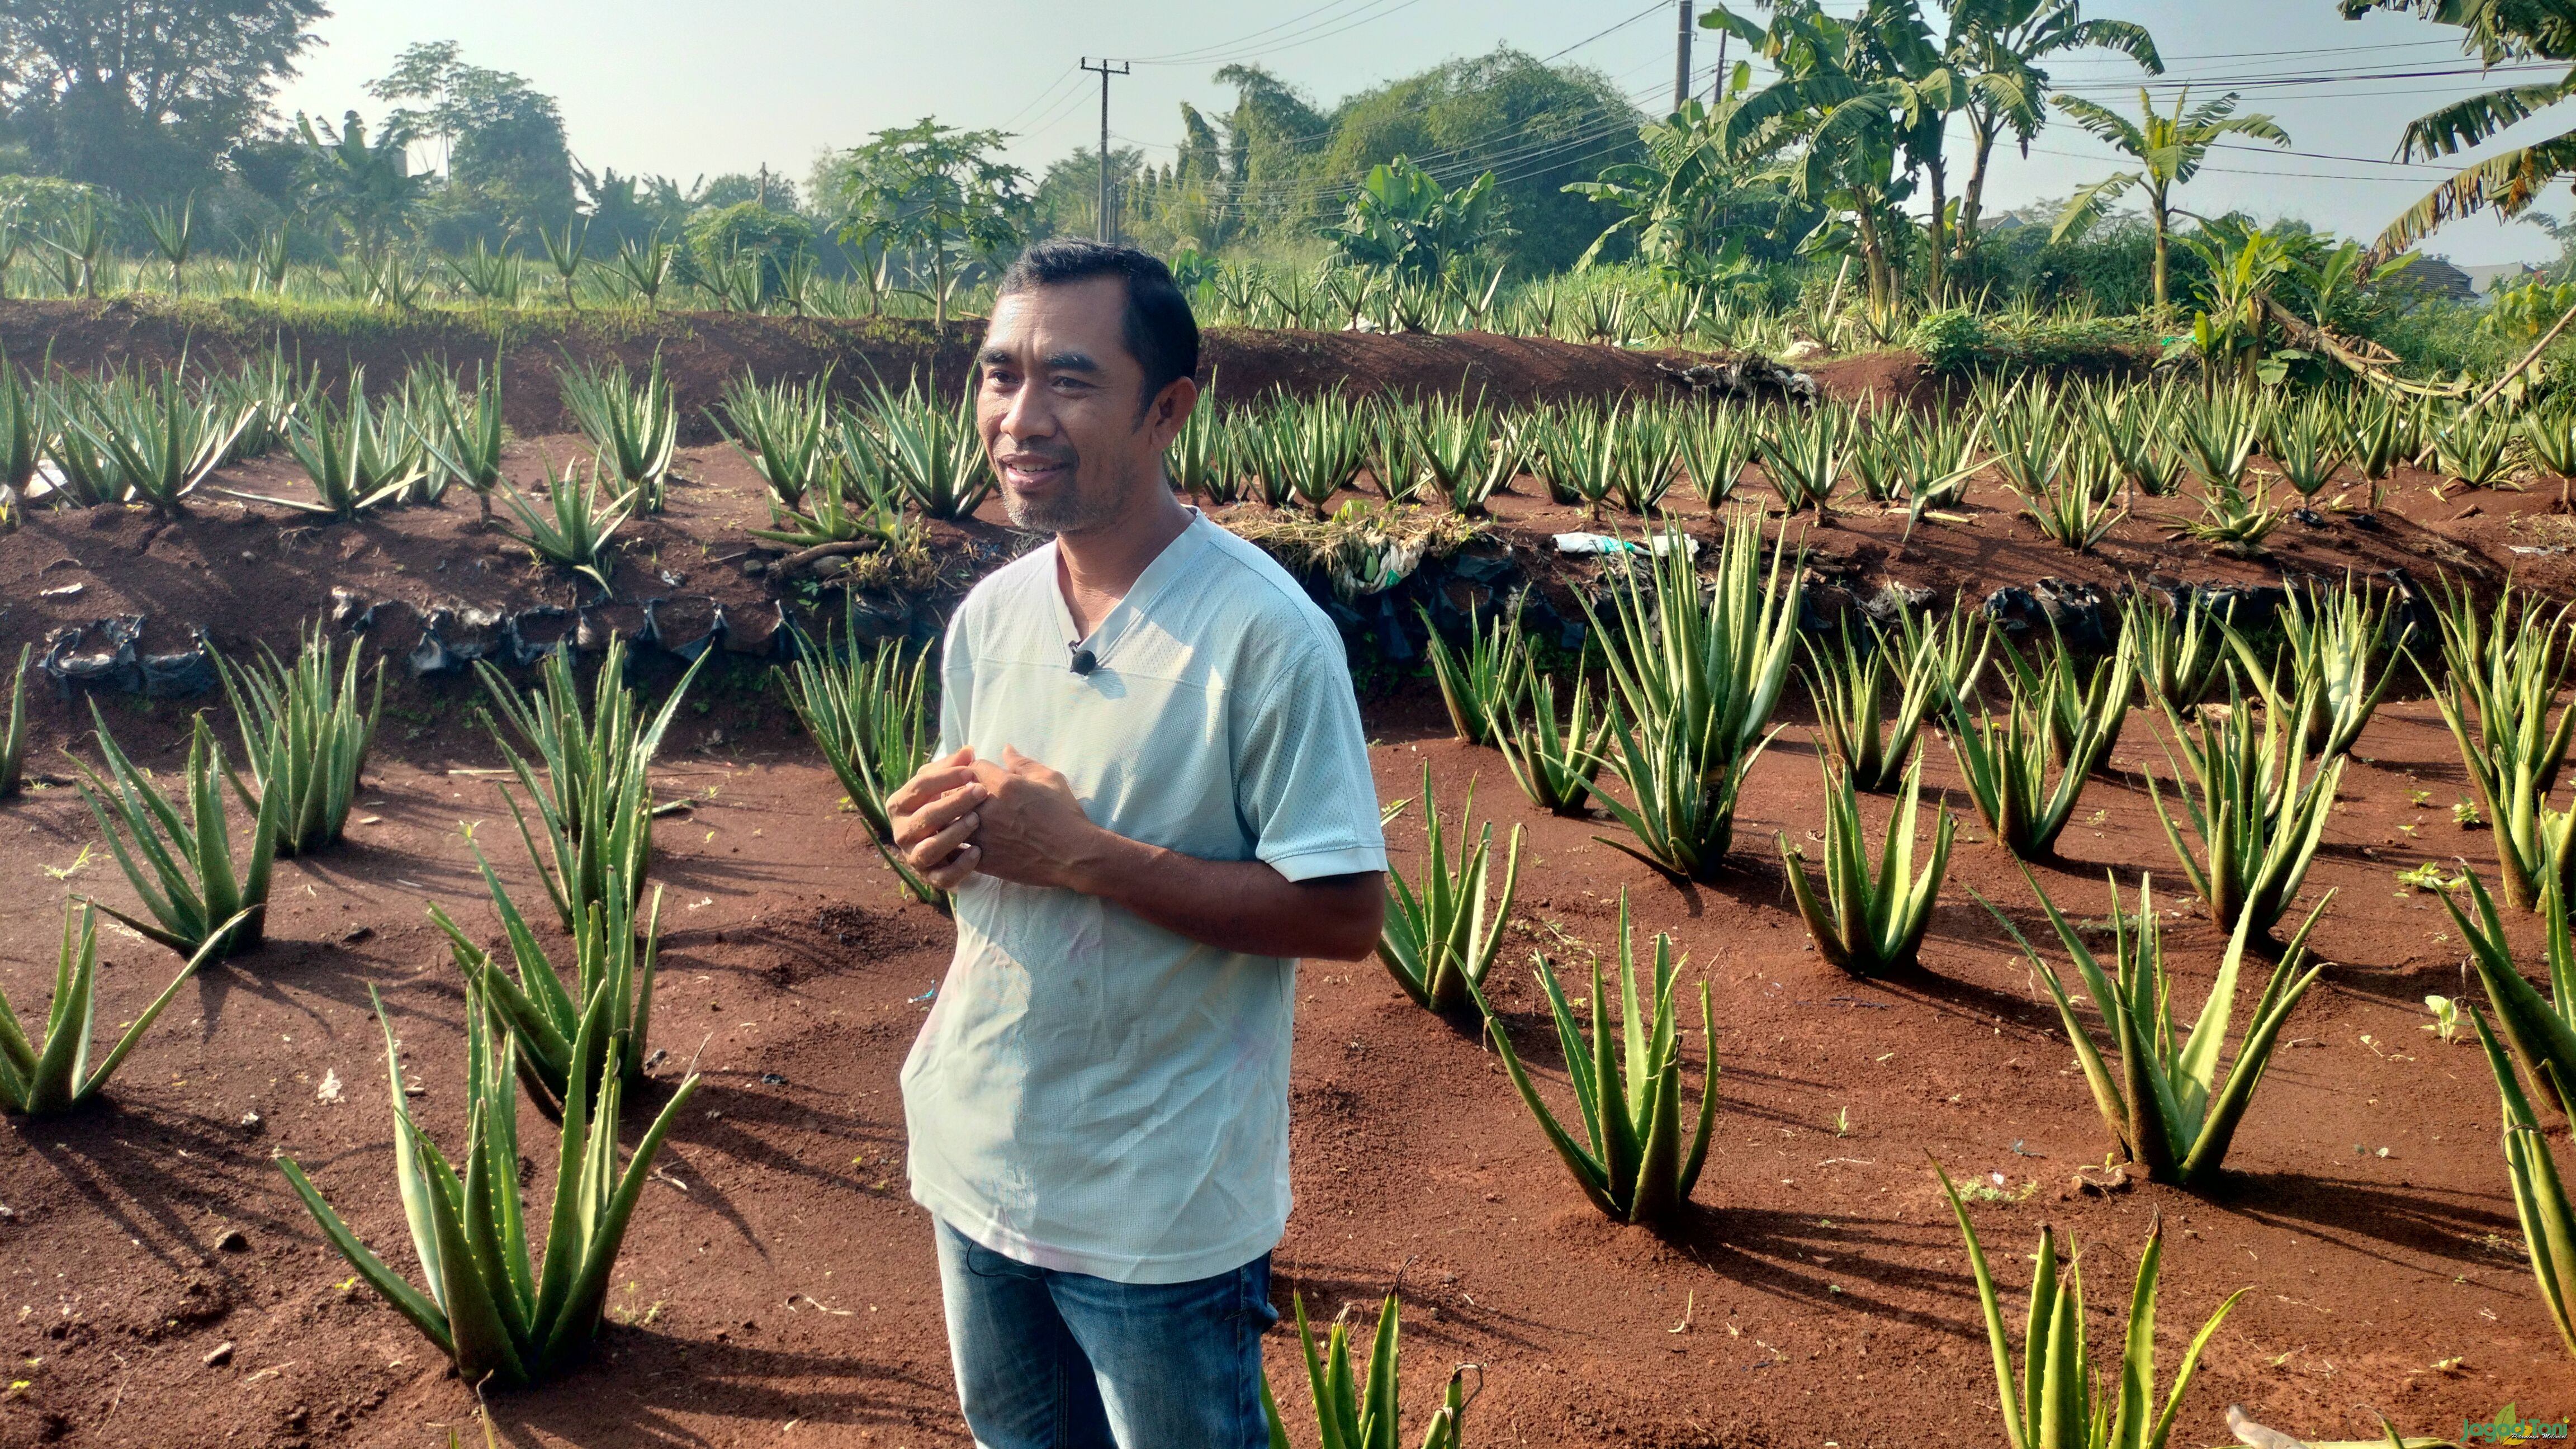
[
  {"x": 1717, "y": 85},
  {"x": 1107, "y": 231},
  {"x": 1681, "y": 54}
]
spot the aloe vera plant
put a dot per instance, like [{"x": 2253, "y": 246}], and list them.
[
  {"x": 1850, "y": 677},
  {"x": 1871, "y": 924},
  {"x": 578, "y": 528},
  {"x": 2334, "y": 637},
  {"x": 1356, "y": 1411},
  {"x": 464, "y": 439},
  {"x": 2055, "y": 1401},
  {"x": 49, "y": 1071},
  {"x": 1638, "y": 1159},
  {"x": 2503, "y": 670},
  {"x": 871, "y": 717},
  {"x": 633, "y": 426},
  {"x": 298, "y": 717},
  {"x": 2175, "y": 651},
  {"x": 191, "y": 886},
  {"x": 1441, "y": 938},
  {"x": 2541, "y": 1029},
  {"x": 781, "y": 430},
  {"x": 13, "y": 732},
  {"x": 1479, "y": 684},
  {"x": 2475, "y": 449},
  {"x": 543, "y": 1006},
  {"x": 501, "y": 1314},
  {"x": 2257, "y": 809},
  {"x": 937, "y": 456},
  {"x": 1578, "y": 454},
  {"x": 1805, "y": 456},
  {"x": 594, "y": 803},
  {"x": 2006, "y": 763},
  {"x": 2169, "y": 1108},
  {"x": 1715, "y": 447},
  {"x": 2218, "y": 433},
  {"x": 357, "y": 456},
  {"x": 26, "y": 423},
  {"x": 1696, "y": 674},
  {"x": 1645, "y": 456},
  {"x": 1553, "y": 762},
  {"x": 1465, "y": 455},
  {"x": 160, "y": 442},
  {"x": 2308, "y": 445},
  {"x": 2539, "y": 1193}
]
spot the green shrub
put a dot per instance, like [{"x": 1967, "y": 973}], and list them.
[{"x": 1951, "y": 340}]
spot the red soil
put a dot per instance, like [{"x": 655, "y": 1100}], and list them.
[{"x": 783, "y": 1285}]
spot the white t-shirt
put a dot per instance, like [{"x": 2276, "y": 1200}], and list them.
[{"x": 1091, "y": 1092}]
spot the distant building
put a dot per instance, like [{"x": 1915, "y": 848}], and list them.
[
  {"x": 2437, "y": 277},
  {"x": 2488, "y": 279}
]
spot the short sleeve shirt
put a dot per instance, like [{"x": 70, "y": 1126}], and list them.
[{"x": 1092, "y": 1092}]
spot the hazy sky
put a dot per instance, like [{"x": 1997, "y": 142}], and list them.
[{"x": 688, "y": 89}]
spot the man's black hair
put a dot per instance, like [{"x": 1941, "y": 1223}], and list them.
[{"x": 1160, "y": 332}]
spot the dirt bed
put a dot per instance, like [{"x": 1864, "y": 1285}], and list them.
[
  {"x": 783, "y": 1288},
  {"x": 165, "y": 1289}
]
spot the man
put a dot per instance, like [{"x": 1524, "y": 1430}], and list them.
[{"x": 1155, "y": 797}]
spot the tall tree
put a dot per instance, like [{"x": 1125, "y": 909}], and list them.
[
  {"x": 2497, "y": 32},
  {"x": 2169, "y": 149},
  {"x": 367, "y": 186},
  {"x": 1997, "y": 47},
  {"x": 502, "y": 142},
  {"x": 1701, "y": 197},
  {"x": 941, "y": 196},
  {"x": 1851, "y": 91},
  {"x": 1535, "y": 126},
  {"x": 144, "y": 96}
]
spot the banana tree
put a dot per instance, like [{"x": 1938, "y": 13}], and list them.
[
  {"x": 2170, "y": 150},
  {"x": 1996, "y": 46},
  {"x": 2512, "y": 179}
]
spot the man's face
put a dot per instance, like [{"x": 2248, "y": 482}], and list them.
[{"x": 1058, "y": 407}]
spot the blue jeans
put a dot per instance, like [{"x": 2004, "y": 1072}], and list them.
[{"x": 1057, "y": 1360}]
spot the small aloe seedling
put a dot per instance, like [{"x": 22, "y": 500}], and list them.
[
  {"x": 1360, "y": 1411},
  {"x": 2169, "y": 1108},
  {"x": 50, "y": 1071},
  {"x": 299, "y": 716},
  {"x": 1554, "y": 762},
  {"x": 1480, "y": 684},
  {"x": 1850, "y": 677},
  {"x": 186, "y": 875},
  {"x": 870, "y": 715},
  {"x": 2051, "y": 1403},
  {"x": 582, "y": 527},
  {"x": 2259, "y": 813},
  {"x": 1638, "y": 1160},
  {"x": 1440, "y": 940},
  {"x": 1871, "y": 924},
  {"x": 495, "y": 1309}
]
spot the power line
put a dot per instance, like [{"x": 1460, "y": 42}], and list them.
[{"x": 1199, "y": 55}]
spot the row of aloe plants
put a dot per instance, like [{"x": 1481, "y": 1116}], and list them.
[{"x": 573, "y": 1033}]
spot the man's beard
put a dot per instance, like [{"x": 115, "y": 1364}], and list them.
[{"x": 1071, "y": 510}]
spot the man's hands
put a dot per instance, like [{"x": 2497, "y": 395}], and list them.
[
  {"x": 1016, "y": 821},
  {"x": 935, "y": 817}
]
